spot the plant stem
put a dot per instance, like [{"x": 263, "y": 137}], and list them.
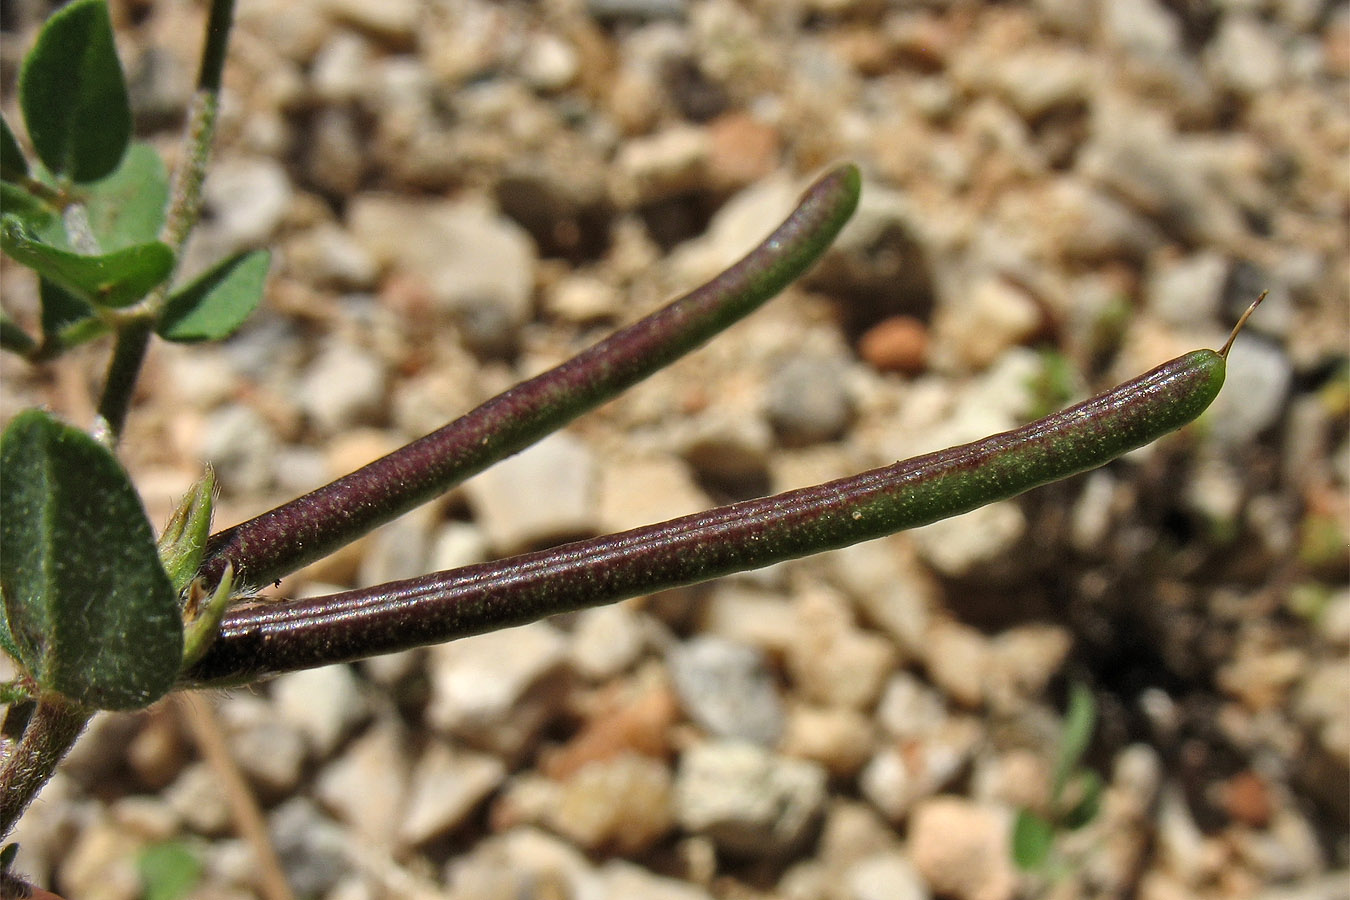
[
  {"x": 51, "y": 731},
  {"x": 262, "y": 639},
  {"x": 311, "y": 527},
  {"x": 185, "y": 205},
  {"x": 123, "y": 370},
  {"x": 133, "y": 335}
]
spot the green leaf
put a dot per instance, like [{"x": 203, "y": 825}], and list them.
[
  {"x": 73, "y": 95},
  {"x": 14, "y": 338},
  {"x": 218, "y": 302},
  {"x": 66, "y": 319},
  {"x": 1089, "y": 801},
  {"x": 1079, "y": 722},
  {"x": 127, "y": 207},
  {"x": 111, "y": 279},
  {"x": 169, "y": 871},
  {"x": 90, "y": 608},
  {"x": 13, "y": 165},
  {"x": 1031, "y": 840},
  {"x": 37, "y": 216}
]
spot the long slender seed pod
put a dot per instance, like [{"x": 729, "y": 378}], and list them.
[
  {"x": 311, "y": 527},
  {"x": 261, "y": 639}
]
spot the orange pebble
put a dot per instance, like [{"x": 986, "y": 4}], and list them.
[{"x": 897, "y": 344}]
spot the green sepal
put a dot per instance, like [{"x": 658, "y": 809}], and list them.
[
  {"x": 90, "y": 609},
  {"x": 112, "y": 279},
  {"x": 12, "y": 692},
  {"x": 201, "y": 617},
  {"x": 13, "y": 164},
  {"x": 183, "y": 539},
  {"x": 6, "y": 638},
  {"x": 1032, "y": 838},
  {"x": 216, "y": 303},
  {"x": 73, "y": 94}
]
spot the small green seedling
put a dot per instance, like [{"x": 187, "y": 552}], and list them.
[{"x": 1075, "y": 791}]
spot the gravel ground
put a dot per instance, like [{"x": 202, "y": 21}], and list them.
[{"x": 1058, "y": 195}]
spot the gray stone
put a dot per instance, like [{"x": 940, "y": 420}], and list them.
[
  {"x": 728, "y": 689},
  {"x": 893, "y": 589},
  {"x": 366, "y": 785},
  {"x": 485, "y": 688},
  {"x": 343, "y": 387},
  {"x": 961, "y": 849},
  {"x": 311, "y": 847},
  {"x": 1188, "y": 291},
  {"x": 394, "y": 20},
  {"x": 639, "y": 10},
  {"x": 241, "y": 445},
  {"x": 748, "y": 801},
  {"x": 1259, "y": 377},
  {"x": 446, "y": 785},
  {"x": 544, "y": 493},
  {"x": 621, "y": 805},
  {"x": 886, "y": 876},
  {"x": 807, "y": 400},
  {"x": 903, "y": 773},
  {"x": 198, "y": 798},
  {"x": 399, "y": 549},
  {"x": 910, "y": 709},
  {"x": 606, "y": 641},
  {"x": 1134, "y": 152},
  {"x": 622, "y": 880},
  {"x": 324, "y": 703},
  {"x": 477, "y": 264},
  {"x": 340, "y": 70},
  {"x": 1245, "y": 56},
  {"x": 957, "y": 545},
  {"x": 456, "y": 544},
  {"x": 523, "y": 862},
  {"x": 1142, "y": 27},
  {"x": 271, "y": 751},
  {"x": 248, "y": 199},
  {"x": 549, "y": 63}
]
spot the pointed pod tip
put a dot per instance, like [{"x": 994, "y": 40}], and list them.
[{"x": 1242, "y": 320}]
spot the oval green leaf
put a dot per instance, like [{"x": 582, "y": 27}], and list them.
[
  {"x": 39, "y": 218},
  {"x": 127, "y": 207},
  {"x": 1080, "y": 720},
  {"x": 13, "y": 165},
  {"x": 88, "y": 604},
  {"x": 112, "y": 279},
  {"x": 214, "y": 305},
  {"x": 73, "y": 95},
  {"x": 1031, "y": 840},
  {"x": 13, "y": 338},
  {"x": 66, "y": 319}
]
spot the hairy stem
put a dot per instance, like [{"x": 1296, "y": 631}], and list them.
[
  {"x": 133, "y": 334},
  {"x": 311, "y": 527},
  {"x": 261, "y": 639},
  {"x": 49, "y": 734},
  {"x": 123, "y": 369}
]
